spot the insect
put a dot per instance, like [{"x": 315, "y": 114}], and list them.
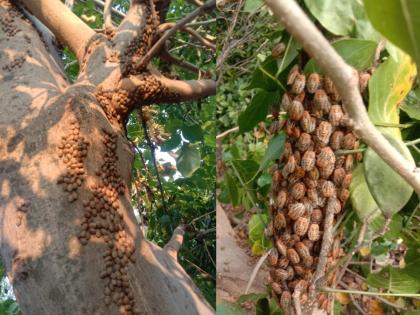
[
  {"x": 304, "y": 142},
  {"x": 323, "y": 132},
  {"x": 333, "y": 205},
  {"x": 291, "y": 273},
  {"x": 289, "y": 167},
  {"x": 338, "y": 176},
  {"x": 298, "y": 191},
  {"x": 349, "y": 141},
  {"x": 325, "y": 158},
  {"x": 283, "y": 262},
  {"x": 298, "y": 84},
  {"x": 297, "y": 175},
  {"x": 347, "y": 180},
  {"x": 343, "y": 195},
  {"x": 336, "y": 140},
  {"x": 281, "y": 199},
  {"x": 321, "y": 101},
  {"x": 286, "y": 300},
  {"x": 316, "y": 216},
  {"x": 273, "y": 257},
  {"x": 296, "y": 210},
  {"x": 276, "y": 288},
  {"x": 293, "y": 256},
  {"x": 328, "y": 189},
  {"x": 285, "y": 102},
  {"x": 348, "y": 164},
  {"x": 326, "y": 171},
  {"x": 292, "y": 74},
  {"x": 296, "y": 110},
  {"x": 313, "y": 173},
  {"x": 279, "y": 221},
  {"x": 307, "y": 122},
  {"x": 302, "y": 250},
  {"x": 281, "y": 274},
  {"x": 288, "y": 151},
  {"x": 313, "y": 232},
  {"x": 308, "y": 160},
  {"x": 281, "y": 247},
  {"x": 301, "y": 226},
  {"x": 363, "y": 81},
  {"x": 313, "y": 82},
  {"x": 335, "y": 115},
  {"x": 278, "y": 50},
  {"x": 299, "y": 269}
]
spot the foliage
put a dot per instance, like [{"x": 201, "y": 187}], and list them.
[{"x": 246, "y": 98}]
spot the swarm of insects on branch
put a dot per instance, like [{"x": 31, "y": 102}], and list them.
[{"x": 309, "y": 181}]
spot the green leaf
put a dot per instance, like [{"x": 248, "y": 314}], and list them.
[
  {"x": 394, "y": 280},
  {"x": 264, "y": 180},
  {"x": 232, "y": 189},
  {"x": 399, "y": 22},
  {"x": 226, "y": 308},
  {"x": 171, "y": 143},
  {"x": 192, "y": 133},
  {"x": 261, "y": 80},
  {"x": 289, "y": 55},
  {"x": 274, "y": 150},
  {"x": 188, "y": 160},
  {"x": 256, "y": 226},
  {"x": 390, "y": 191},
  {"x": 358, "y": 53},
  {"x": 361, "y": 198},
  {"x": 257, "y": 110},
  {"x": 411, "y": 105},
  {"x": 252, "y": 5},
  {"x": 246, "y": 169},
  {"x": 335, "y": 16}
]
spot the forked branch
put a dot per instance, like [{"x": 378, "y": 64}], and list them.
[{"x": 346, "y": 81}]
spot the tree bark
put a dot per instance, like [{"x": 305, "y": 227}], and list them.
[{"x": 58, "y": 237}]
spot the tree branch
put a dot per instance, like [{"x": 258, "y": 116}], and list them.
[
  {"x": 65, "y": 25},
  {"x": 108, "y": 14},
  {"x": 175, "y": 243},
  {"x": 346, "y": 81},
  {"x": 209, "y": 5}
]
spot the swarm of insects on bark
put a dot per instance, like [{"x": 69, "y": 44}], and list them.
[{"x": 310, "y": 180}]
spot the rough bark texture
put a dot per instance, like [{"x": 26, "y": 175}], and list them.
[{"x": 52, "y": 272}]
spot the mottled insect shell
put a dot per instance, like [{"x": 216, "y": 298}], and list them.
[
  {"x": 349, "y": 141},
  {"x": 281, "y": 274},
  {"x": 296, "y": 210},
  {"x": 276, "y": 288},
  {"x": 291, "y": 273},
  {"x": 293, "y": 256},
  {"x": 308, "y": 261},
  {"x": 317, "y": 216},
  {"x": 304, "y": 142},
  {"x": 307, "y": 122},
  {"x": 298, "y": 191},
  {"x": 302, "y": 250},
  {"x": 297, "y": 175},
  {"x": 289, "y": 167},
  {"x": 285, "y": 102},
  {"x": 313, "y": 232},
  {"x": 328, "y": 85},
  {"x": 281, "y": 247},
  {"x": 299, "y": 269},
  {"x": 336, "y": 140},
  {"x": 313, "y": 82},
  {"x": 298, "y": 84},
  {"x": 326, "y": 172},
  {"x": 286, "y": 300},
  {"x": 288, "y": 151},
  {"x": 297, "y": 156},
  {"x": 323, "y": 133},
  {"x": 334, "y": 205},
  {"x": 281, "y": 199},
  {"x": 292, "y": 74},
  {"x": 296, "y": 110},
  {"x": 278, "y": 50},
  {"x": 301, "y": 226},
  {"x": 343, "y": 195},
  {"x": 328, "y": 189},
  {"x": 313, "y": 195},
  {"x": 280, "y": 221},
  {"x": 321, "y": 101},
  {"x": 313, "y": 174},
  {"x": 348, "y": 164},
  {"x": 308, "y": 161},
  {"x": 335, "y": 115},
  {"x": 325, "y": 158}
]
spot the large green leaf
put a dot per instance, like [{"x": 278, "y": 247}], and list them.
[
  {"x": 256, "y": 226},
  {"x": 395, "y": 280},
  {"x": 232, "y": 189},
  {"x": 188, "y": 160},
  {"x": 411, "y": 104},
  {"x": 361, "y": 198},
  {"x": 257, "y": 110},
  {"x": 246, "y": 169},
  {"x": 390, "y": 191},
  {"x": 261, "y": 80},
  {"x": 192, "y": 133},
  {"x": 398, "y": 21},
  {"x": 358, "y": 53},
  {"x": 274, "y": 150}
]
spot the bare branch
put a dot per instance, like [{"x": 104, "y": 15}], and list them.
[
  {"x": 165, "y": 55},
  {"x": 65, "y": 25},
  {"x": 209, "y": 5},
  {"x": 108, "y": 14},
  {"x": 346, "y": 81},
  {"x": 175, "y": 243}
]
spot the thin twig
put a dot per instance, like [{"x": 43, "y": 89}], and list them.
[
  {"x": 296, "y": 301},
  {"x": 346, "y": 80},
  {"x": 204, "y": 41},
  {"x": 255, "y": 271},
  {"x": 370, "y": 293},
  {"x": 209, "y": 5},
  {"x": 108, "y": 14}
]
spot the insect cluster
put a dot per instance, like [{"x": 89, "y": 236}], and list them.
[
  {"x": 6, "y": 22},
  {"x": 310, "y": 182},
  {"x": 104, "y": 220},
  {"x": 72, "y": 151}
]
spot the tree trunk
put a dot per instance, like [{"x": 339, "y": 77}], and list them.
[{"x": 69, "y": 238}]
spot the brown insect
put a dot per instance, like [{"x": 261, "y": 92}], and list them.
[
  {"x": 313, "y": 174},
  {"x": 347, "y": 180},
  {"x": 280, "y": 221},
  {"x": 338, "y": 176},
  {"x": 348, "y": 165},
  {"x": 285, "y": 102},
  {"x": 287, "y": 151},
  {"x": 293, "y": 256},
  {"x": 292, "y": 74},
  {"x": 333, "y": 205},
  {"x": 299, "y": 269},
  {"x": 326, "y": 171},
  {"x": 302, "y": 250},
  {"x": 297, "y": 156},
  {"x": 328, "y": 189},
  {"x": 283, "y": 262},
  {"x": 273, "y": 257},
  {"x": 307, "y": 122},
  {"x": 298, "y": 191},
  {"x": 310, "y": 183},
  {"x": 325, "y": 158},
  {"x": 281, "y": 199},
  {"x": 323, "y": 132},
  {"x": 308, "y": 160},
  {"x": 321, "y": 101},
  {"x": 286, "y": 300},
  {"x": 301, "y": 226},
  {"x": 289, "y": 167},
  {"x": 281, "y": 247},
  {"x": 336, "y": 140},
  {"x": 313, "y": 195},
  {"x": 276, "y": 288},
  {"x": 313, "y": 82},
  {"x": 296, "y": 210},
  {"x": 296, "y": 110},
  {"x": 291, "y": 273},
  {"x": 317, "y": 216},
  {"x": 304, "y": 142},
  {"x": 335, "y": 115},
  {"x": 281, "y": 274},
  {"x": 278, "y": 50},
  {"x": 297, "y": 175},
  {"x": 298, "y": 84},
  {"x": 313, "y": 232},
  {"x": 349, "y": 141},
  {"x": 343, "y": 195}
]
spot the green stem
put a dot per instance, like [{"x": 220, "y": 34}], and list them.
[
  {"x": 272, "y": 77},
  {"x": 326, "y": 289},
  {"x": 250, "y": 197},
  {"x": 391, "y": 125},
  {"x": 344, "y": 152},
  {"x": 412, "y": 142}
]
